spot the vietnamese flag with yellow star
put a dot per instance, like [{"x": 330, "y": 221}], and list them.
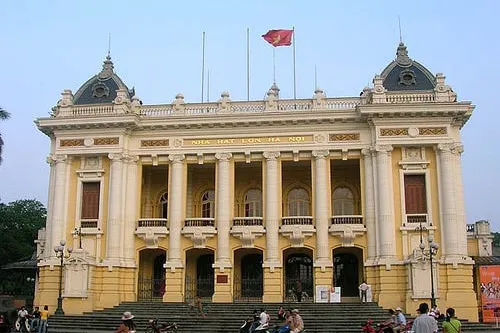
[{"x": 281, "y": 37}]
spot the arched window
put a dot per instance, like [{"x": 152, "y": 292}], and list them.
[
  {"x": 164, "y": 205},
  {"x": 298, "y": 202},
  {"x": 343, "y": 201},
  {"x": 208, "y": 204},
  {"x": 253, "y": 203}
]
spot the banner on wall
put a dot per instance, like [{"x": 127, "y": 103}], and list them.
[{"x": 489, "y": 277}]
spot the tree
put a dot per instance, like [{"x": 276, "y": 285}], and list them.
[
  {"x": 4, "y": 115},
  {"x": 19, "y": 224}
]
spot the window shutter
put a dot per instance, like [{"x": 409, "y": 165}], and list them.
[{"x": 90, "y": 200}]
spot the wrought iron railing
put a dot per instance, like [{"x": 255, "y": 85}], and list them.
[
  {"x": 150, "y": 289},
  {"x": 88, "y": 223},
  {"x": 152, "y": 222},
  {"x": 416, "y": 218},
  {"x": 290, "y": 292},
  {"x": 199, "y": 286},
  {"x": 247, "y": 221},
  {"x": 200, "y": 222},
  {"x": 297, "y": 220},
  {"x": 347, "y": 219},
  {"x": 248, "y": 289}
]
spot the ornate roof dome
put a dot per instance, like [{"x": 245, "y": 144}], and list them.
[
  {"x": 101, "y": 88},
  {"x": 404, "y": 73}
]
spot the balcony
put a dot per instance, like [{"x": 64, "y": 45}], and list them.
[
  {"x": 347, "y": 228},
  {"x": 247, "y": 229},
  {"x": 199, "y": 229},
  {"x": 297, "y": 228},
  {"x": 89, "y": 223},
  {"x": 151, "y": 230}
]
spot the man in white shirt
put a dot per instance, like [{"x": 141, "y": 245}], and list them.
[
  {"x": 424, "y": 323},
  {"x": 399, "y": 321},
  {"x": 363, "y": 288}
]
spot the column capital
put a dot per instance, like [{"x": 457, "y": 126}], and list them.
[
  {"x": 131, "y": 159},
  {"x": 445, "y": 147},
  {"x": 57, "y": 158},
  {"x": 223, "y": 157},
  {"x": 367, "y": 151},
  {"x": 320, "y": 154},
  {"x": 458, "y": 148},
  {"x": 271, "y": 155},
  {"x": 176, "y": 158},
  {"x": 384, "y": 148},
  {"x": 116, "y": 157}
]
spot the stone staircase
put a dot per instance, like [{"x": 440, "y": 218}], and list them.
[{"x": 228, "y": 317}]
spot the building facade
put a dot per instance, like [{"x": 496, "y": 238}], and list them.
[{"x": 236, "y": 200}]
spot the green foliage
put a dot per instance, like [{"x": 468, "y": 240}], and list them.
[
  {"x": 19, "y": 224},
  {"x": 4, "y": 115},
  {"x": 496, "y": 239}
]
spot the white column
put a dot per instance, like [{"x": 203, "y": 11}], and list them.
[
  {"x": 321, "y": 213},
  {"x": 58, "y": 204},
  {"x": 449, "y": 219},
  {"x": 115, "y": 216},
  {"x": 223, "y": 207},
  {"x": 459, "y": 190},
  {"x": 175, "y": 200},
  {"x": 132, "y": 195},
  {"x": 385, "y": 221},
  {"x": 272, "y": 193},
  {"x": 369, "y": 206}
]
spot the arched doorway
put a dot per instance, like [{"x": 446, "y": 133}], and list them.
[
  {"x": 199, "y": 274},
  {"x": 151, "y": 281},
  {"x": 249, "y": 276},
  {"x": 298, "y": 270},
  {"x": 347, "y": 270}
]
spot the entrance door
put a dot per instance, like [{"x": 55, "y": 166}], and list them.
[
  {"x": 346, "y": 273},
  {"x": 251, "y": 276},
  {"x": 151, "y": 282},
  {"x": 205, "y": 276},
  {"x": 299, "y": 270}
]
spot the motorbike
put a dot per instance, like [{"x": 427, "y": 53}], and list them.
[{"x": 155, "y": 327}]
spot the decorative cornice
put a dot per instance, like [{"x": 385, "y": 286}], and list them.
[
  {"x": 344, "y": 137},
  {"x": 155, "y": 143}
]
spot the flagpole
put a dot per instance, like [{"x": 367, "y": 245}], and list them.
[
  {"x": 294, "y": 85},
  {"x": 274, "y": 65},
  {"x": 248, "y": 64},
  {"x": 203, "y": 67},
  {"x": 208, "y": 85}
]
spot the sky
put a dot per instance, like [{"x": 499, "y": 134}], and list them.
[{"x": 156, "y": 47}]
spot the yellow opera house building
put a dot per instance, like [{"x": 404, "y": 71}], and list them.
[{"x": 237, "y": 200}]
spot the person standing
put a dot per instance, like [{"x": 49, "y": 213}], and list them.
[
  {"x": 363, "y": 289},
  {"x": 44, "y": 316},
  {"x": 424, "y": 323},
  {"x": 35, "y": 323},
  {"x": 298, "y": 290},
  {"x": 451, "y": 324}
]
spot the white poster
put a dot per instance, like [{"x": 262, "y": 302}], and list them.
[
  {"x": 335, "y": 295},
  {"x": 322, "y": 294}
]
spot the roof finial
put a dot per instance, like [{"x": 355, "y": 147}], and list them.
[{"x": 107, "y": 66}]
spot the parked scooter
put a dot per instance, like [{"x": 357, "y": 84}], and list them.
[{"x": 155, "y": 327}]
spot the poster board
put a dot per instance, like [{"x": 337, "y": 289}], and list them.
[
  {"x": 489, "y": 277},
  {"x": 322, "y": 294},
  {"x": 335, "y": 295}
]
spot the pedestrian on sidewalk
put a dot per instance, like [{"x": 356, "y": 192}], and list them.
[{"x": 424, "y": 323}]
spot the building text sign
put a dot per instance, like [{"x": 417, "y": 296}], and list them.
[{"x": 289, "y": 139}]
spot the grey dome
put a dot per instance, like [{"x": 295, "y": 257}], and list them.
[
  {"x": 102, "y": 87},
  {"x": 404, "y": 74}
]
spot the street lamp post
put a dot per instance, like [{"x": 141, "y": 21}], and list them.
[
  {"x": 59, "y": 250},
  {"x": 433, "y": 248}
]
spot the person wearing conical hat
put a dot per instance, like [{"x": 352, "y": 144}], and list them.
[{"x": 127, "y": 325}]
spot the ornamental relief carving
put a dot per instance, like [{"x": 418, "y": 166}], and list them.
[
  {"x": 344, "y": 137},
  {"x": 393, "y": 131},
  {"x": 433, "y": 131},
  {"x": 106, "y": 141},
  {"x": 71, "y": 143},
  {"x": 155, "y": 143}
]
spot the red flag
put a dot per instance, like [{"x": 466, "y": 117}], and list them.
[{"x": 279, "y": 37}]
